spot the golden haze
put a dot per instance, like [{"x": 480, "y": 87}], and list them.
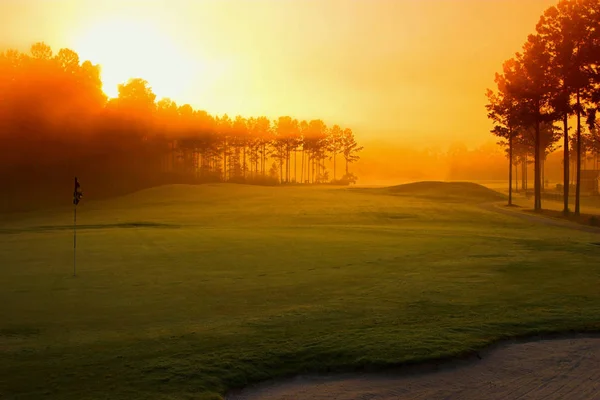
[{"x": 395, "y": 70}]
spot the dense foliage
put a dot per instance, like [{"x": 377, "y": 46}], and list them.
[
  {"x": 56, "y": 122},
  {"x": 556, "y": 76}
]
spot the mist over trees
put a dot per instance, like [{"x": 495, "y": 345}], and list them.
[
  {"x": 56, "y": 123},
  {"x": 553, "y": 79}
]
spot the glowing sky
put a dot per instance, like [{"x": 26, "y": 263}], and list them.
[{"x": 401, "y": 70}]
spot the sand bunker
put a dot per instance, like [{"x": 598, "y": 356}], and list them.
[{"x": 545, "y": 369}]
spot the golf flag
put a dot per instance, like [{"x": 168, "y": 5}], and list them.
[{"x": 77, "y": 192}]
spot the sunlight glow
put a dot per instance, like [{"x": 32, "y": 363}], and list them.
[{"x": 137, "y": 49}]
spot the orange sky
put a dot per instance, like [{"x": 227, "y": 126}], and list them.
[{"x": 393, "y": 70}]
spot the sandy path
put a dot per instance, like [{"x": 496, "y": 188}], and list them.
[{"x": 566, "y": 369}]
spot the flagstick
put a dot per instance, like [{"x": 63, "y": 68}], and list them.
[{"x": 74, "y": 239}]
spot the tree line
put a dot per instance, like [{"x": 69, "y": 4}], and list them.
[
  {"x": 553, "y": 80},
  {"x": 56, "y": 122}
]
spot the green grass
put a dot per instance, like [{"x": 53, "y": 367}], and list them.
[{"x": 185, "y": 291}]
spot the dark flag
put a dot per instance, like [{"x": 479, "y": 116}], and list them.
[
  {"x": 77, "y": 192},
  {"x": 76, "y": 199}
]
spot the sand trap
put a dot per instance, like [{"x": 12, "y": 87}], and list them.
[{"x": 545, "y": 369}]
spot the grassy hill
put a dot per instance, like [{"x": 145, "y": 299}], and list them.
[
  {"x": 466, "y": 192},
  {"x": 185, "y": 291}
]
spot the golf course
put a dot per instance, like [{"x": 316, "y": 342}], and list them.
[{"x": 190, "y": 291}]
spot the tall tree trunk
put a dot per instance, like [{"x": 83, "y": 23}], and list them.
[
  {"x": 311, "y": 170},
  {"x": 578, "y": 178},
  {"x": 225, "y": 161},
  {"x": 537, "y": 163},
  {"x": 510, "y": 163},
  {"x": 244, "y": 172},
  {"x": 334, "y": 156},
  {"x": 260, "y": 160},
  {"x": 173, "y": 164},
  {"x": 523, "y": 171},
  {"x": 302, "y": 169},
  {"x": 308, "y": 161},
  {"x": 287, "y": 165},
  {"x": 566, "y": 163},
  {"x": 309, "y": 167},
  {"x": 264, "y": 158},
  {"x": 516, "y": 176},
  {"x": 543, "y": 173},
  {"x": 526, "y": 176},
  {"x": 526, "y": 173}
]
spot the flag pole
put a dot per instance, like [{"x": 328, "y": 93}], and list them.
[
  {"x": 76, "y": 198},
  {"x": 74, "y": 239}
]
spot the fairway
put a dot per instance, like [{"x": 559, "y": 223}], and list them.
[{"x": 184, "y": 292}]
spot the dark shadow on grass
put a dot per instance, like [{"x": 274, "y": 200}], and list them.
[
  {"x": 584, "y": 223},
  {"x": 582, "y": 219},
  {"x": 123, "y": 225},
  {"x": 19, "y": 331}
]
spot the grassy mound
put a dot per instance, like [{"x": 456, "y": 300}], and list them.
[{"x": 447, "y": 191}]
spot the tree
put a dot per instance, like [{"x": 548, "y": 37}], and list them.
[
  {"x": 304, "y": 132},
  {"x": 531, "y": 87},
  {"x": 287, "y": 135},
  {"x": 264, "y": 134},
  {"x": 555, "y": 28},
  {"x": 503, "y": 109},
  {"x": 314, "y": 139},
  {"x": 335, "y": 145},
  {"x": 568, "y": 31},
  {"x": 350, "y": 150},
  {"x": 223, "y": 125},
  {"x": 136, "y": 98},
  {"x": 56, "y": 121},
  {"x": 240, "y": 135},
  {"x": 68, "y": 61},
  {"x": 41, "y": 51}
]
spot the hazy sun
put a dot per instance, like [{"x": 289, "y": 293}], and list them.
[{"x": 137, "y": 49}]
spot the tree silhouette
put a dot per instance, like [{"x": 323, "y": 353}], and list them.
[
  {"x": 55, "y": 120},
  {"x": 558, "y": 77},
  {"x": 503, "y": 109},
  {"x": 41, "y": 51},
  {"x": 560, "y": 28},
  {"x": 335, "y": 145},
  {"x": 136, "y": 98},
  {"x": 350, "y": 150}
]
